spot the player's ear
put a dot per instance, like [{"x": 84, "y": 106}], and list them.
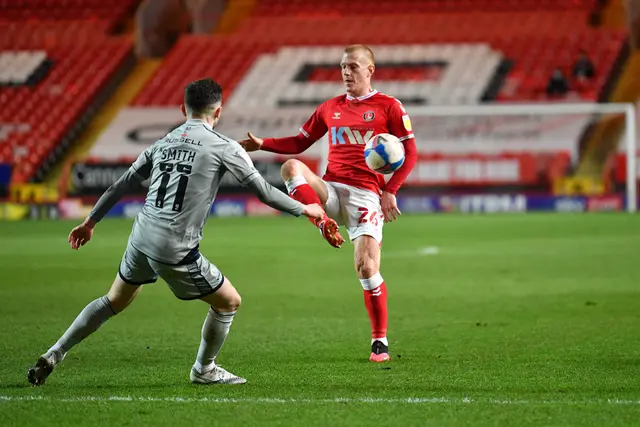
[
  {"x": 372, "y": 69},
  {"x": 218, "y": 112},
  {"x": 183, "y": 110}
]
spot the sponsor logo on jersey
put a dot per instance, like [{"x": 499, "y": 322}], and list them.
[
  {"x": 368, "y": 116},
  {"x": 346, "y": 135},
  {"x": 407, "y": 122}
]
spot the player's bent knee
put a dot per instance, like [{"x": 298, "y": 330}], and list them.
[
  {"x": 366, "y": 267},
  {"x": 229, "y": 304},
  {"x": 233, "y": 303},
  {"x": 225, "y": 299},
  {"x": 366, "y": 256},
  {"x": 291, "y": 168}
]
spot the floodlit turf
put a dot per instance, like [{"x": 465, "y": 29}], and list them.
[{"x": 510, "y": 320}]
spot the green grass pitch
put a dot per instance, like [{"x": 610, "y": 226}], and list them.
[{"x": 507, "y": 320}]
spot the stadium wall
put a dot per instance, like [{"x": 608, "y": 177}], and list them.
[{"x": 241, "y": 205}]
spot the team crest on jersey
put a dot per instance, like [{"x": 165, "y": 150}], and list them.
[{"x": 368, "y": 116}]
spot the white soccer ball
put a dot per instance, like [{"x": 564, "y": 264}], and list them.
[{"x": 384, "y": 153}]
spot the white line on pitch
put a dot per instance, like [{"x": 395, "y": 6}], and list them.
[
  {"x": 276, "y": 400},
  {"x": 426, "y": 251}
]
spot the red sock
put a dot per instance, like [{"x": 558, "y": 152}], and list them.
[
  {"x": 376, "y": 303},
  {"x": 305, "y": 195}
]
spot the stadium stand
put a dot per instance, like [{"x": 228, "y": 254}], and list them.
[
  {"x": 59, "y": 63},
  {"x": 109, "y": 14},
  {"x": 472, "y": 51},
  {"x": 503, "y": 51},
  {"x": 534, "y": 46},
  {"x": 338, "y": 7}
]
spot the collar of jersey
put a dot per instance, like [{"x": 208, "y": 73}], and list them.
[
  {"x": 199, "y": 122},
  {"x": 363, "y": 97}
]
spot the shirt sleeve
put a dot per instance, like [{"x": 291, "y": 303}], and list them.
[
  {"x": 399, "y": 125},
  {"x": 313, "y": 129},
  {"x": 137, "y": 172},
  {"x": 144, "y": 164},
  {"x": 238, "y": 162}
]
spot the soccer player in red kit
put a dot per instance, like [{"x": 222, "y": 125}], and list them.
[{"x": 351, "y": 193}]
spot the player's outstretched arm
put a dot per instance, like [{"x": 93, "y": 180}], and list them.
[
  {"x": 81, "y": 234},
  {"x": 310, "y": 132},
  {"x": 269, "y": 195},
  {"x": 138, "y": 172},
  {"x": 252, "y": 143},
  {"x": 238, "y": 162},
  {"x": 287, "y": 145}
]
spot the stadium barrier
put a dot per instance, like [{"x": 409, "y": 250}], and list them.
[{"x": 240, "y": 205}]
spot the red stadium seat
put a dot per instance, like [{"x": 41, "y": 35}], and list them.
[
  {"x": 105, "y": 15},
  {"x": 84, "y": 58}
]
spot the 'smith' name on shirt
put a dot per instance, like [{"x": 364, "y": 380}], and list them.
[{"x": 178, "y": 154}]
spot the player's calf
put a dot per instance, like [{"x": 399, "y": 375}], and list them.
[
  {"x": 295, "y": 174},
  {"x": 293, "y": 168},
  {"x": 302, "y": 184},
  {"x": 87, "y": 322},
  {"x": 224, "y": 303},
  {"x": 367, "y": 264},
  {"x": 375, "y": 301}
]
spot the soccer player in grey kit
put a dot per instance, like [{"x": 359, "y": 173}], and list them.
[{"x": 184, "y": 170}]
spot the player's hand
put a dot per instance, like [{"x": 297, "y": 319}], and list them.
[
  {"x": 253, "y": 143},
  {"x": 81, "y": 234},
  {"x": 313, "y": 211},
  {"x": 389, "y": 206}
]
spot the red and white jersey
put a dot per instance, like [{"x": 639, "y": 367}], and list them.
[{"x": 350, "y": 123}]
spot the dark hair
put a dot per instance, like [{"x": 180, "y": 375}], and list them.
[{"x": 202, "y": 94}]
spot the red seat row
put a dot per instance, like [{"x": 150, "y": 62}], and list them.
[
  {"x": 52, "y": 107},
  {"x": 110, "y": 12},
  {"x": 385, "y": 7},
  {"x": 533, "y": 59}
]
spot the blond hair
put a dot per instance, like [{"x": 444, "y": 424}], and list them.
[{"x": 361, "y": 48}]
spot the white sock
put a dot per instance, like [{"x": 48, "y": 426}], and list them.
[
  {"x": 372, "y": 282},
  {"x": 55, "y": 355},
  {"x": 293, "y": 182},
  {"x": 383, "y": 340},
  {"x": 198, "y": 367},
  {"x": 214, "y": 332}
]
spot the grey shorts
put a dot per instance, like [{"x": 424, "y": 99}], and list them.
[{"x": 188, "y": 281}]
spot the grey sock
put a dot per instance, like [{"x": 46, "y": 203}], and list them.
[
  {"x": 88, "y": 321},
  {"x": 214, "y": 332}
]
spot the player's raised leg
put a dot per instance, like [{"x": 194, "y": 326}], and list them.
[
  {"x": 367, "y": 265},
  {"x": 224, "y": 303},
  {"x": 94, "y": 315},
  {"x": 307, "y": 188}
]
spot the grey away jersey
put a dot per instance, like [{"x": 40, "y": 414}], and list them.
[{"x": 185, "y": 169}]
